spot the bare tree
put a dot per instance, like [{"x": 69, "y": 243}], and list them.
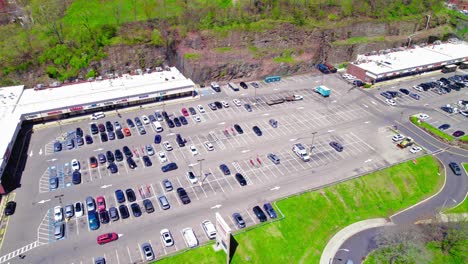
[
  {"x": 403, "y": 244},
  {"x": 48, "y": 13}
]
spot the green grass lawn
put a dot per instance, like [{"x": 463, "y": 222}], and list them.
[
  {"x": 438, "y": 257},
  {"x": 431, "y": 129},
  {"x": 314, "y": 217}
]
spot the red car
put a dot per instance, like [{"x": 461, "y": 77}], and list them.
[
  {"x": 93, "y": 162},
  {"x": 185, "y": 112},
  {"x": 127, "y": 132},
  {"x": 101, "y": 203},
  {"x": 106, "y": 238}
]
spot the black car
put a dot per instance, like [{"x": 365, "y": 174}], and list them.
[
  {"x": 147, "y": 161},
  {"x": 241, "y": 179},
  {"x": 165, "y": 115},
  {"x": 123, "y": 210},
  {"x": 79, "y": 132},
  {"x": 180, "y": 141},
  {"x": 239, "y": 220},
  {"x": 136, "y": 210},
  {"x": 128, "y": 153},
  {"x": 119, "y": 134},
  {"x": 177, "y": 122},
  {"x": 243, "y": 85},
  {"x": 152, "y": 118},
  {"x": 238, "y": 129},
  {"x": 10, "y": 208},
  {"x": 89, "y": 139},
  {"x": 170, "y": 124},
  {"x": 76, "y": 177},
  {"x": 118, "y": 155},
  {"x": 94, "y": 129},
  {"x": 131, "y": 163},
  {"x": 404, "y": 91},
  {"x": 104, "y": 216},
  {"x": 183, "y": 195},
  {"x": 259, "y": 213},
  {"x": 109, "y": 126},
  {"x": 110, "y": 156},
  {"x": 169, "y": 167},
  {"x": 130, "y": 195},
  {"x": 130, "y": 123},
  {"x": 257, "y": 130},
  {"x": 224, "y": 168},
  {"x": 113, "y": 168},
  {"x": 57, "y": 146},
  {"x": 248, "y": 107},
  {"x": 119, "y": 195},
  {"x": 183, "y": 120},
  {"x": 192, "y": 111},
  {"x": 149, "y": 208},
  {"x": 104, "y": 137},
  {"x": 138, "y": 121},
  {"x": 79, "y": 141},
  {"x": 444, "y": 127},
  {"x": 447, "y": 109},
  {"x": 102, "y": 128},
  {"x": 455, "y": 168},
  {"x": 337, "y": 146},
  {"x": 218, "y": 104}
]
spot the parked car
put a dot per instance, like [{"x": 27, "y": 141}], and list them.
[
  {"x": 147, "y": 161},
  {"x": 192, "y": 111},
  {"x": 248, "y": 107},
  {"x": 337, "y": 146},
  {"x": 149, "y": 208},
  {"x": 104, "y": 217},
  {"x": 10, "y": 208},
  {"x": 118, "y": 155},
  {"x": 57, "y": 146},
  {"x": 136, "y": 210},
  {"x": 269, "y": 210},
  {"x": 76, "y": 177},
  {"x": 93, "y": 220},
  {"x": 224, "y": 168},
  {"x": 147, "y": 251},
  {"x": 167, "y": 237},
  {"x": 404, "y": 91},
  {"x": 208, "y": 146},
  {"x": 167, "y": 185},
  {"x": 119, "y": 196},
  {"x": 274, "y": 158},
  {"x": 458, "y": 133},
  {"x": 123, "y": 210},
  {"x": 257, "y": 130},
  {"x": 169, "y": 167},
  {"x": 241, "y": 179},
  {"x": 238, "y": 128},
  {"x": 455, "y": 168},
  {"x": 414, "y": 96},
  {"x": 259, "y": 213},
  {"x": 191, "y": 177},
  {"x": 238, "y": 220},
  {"x": 183, "y": 195},
  {"x": 444, "y": 127},
  {"x": 90, "y": 204},
  {"x": 131, "y": 197},
  {"x": 113, "y": 168},
  {"x": 101, "y": 203}
]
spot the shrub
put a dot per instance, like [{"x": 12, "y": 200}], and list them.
[
  {"x": 156, "y": 38},
  {"x": 367, "y": 85},
  {"x": 52, "y": 72}
]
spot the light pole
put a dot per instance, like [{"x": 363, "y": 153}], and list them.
[
  {"x": 201, "y": 163},
  {"x": 312, "y": 145}
]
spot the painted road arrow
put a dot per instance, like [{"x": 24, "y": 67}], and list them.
[
  {"x": 106, "y": 186},
  {"x": 275, "y": 188},
  {"x": 216, "y": 206},
  {"x": 43, "y": 201}
]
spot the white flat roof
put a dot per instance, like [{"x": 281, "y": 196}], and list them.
[
  {"x": 413, "y": 58},
  {"x": 9, "y": 97},
  {"x": 34, "y": 101}
]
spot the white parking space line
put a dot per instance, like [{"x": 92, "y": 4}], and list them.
[
  {"x": 217, "y": 181},
  {"x": 117, "y": 256}
]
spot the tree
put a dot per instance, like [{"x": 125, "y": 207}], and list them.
[
  {"x": 48, "y": 13},
  {"x": 403, "y": 244},
  {"x": 449, "y": 236}
]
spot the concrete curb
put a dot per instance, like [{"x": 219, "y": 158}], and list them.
[{"x": 339, "y": 238}]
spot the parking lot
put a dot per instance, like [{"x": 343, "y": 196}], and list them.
[{"x": 348, "y": 117}]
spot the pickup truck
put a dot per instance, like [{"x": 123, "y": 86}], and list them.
[
  {"x": 294, "y": 98},
  {"x": 405, "y": 142},
  {"x": 275, "y": 101}
]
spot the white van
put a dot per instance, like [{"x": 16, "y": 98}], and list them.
[
  {"x": 209, "y": 229},
  {"x": 189, "y": 237},
  {"x": 157, "y": 126},
  {"x": 97, "y": 115},
  {"x": 233, "y": 86}
]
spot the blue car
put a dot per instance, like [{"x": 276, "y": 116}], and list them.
[
  {"x": 224, "y": 168},
  {"x": 93, "y": 220},
  {"x": 169, "y": 167},
  {"x": 119, "y": 195},
  {"x": 157, "y": 139}
]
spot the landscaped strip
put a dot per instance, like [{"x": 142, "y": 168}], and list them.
[
  {"x": 430, "y": 129},
  {"x": 312, "y": 218}
]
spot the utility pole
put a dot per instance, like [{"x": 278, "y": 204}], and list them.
[{"x": 201, "y": 163}]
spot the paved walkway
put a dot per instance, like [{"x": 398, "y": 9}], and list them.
[{"x": 339, "y": 238}]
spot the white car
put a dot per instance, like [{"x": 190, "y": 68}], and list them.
[
  {"x": 418, "y": 88},
  {"x": 208, "y": 146},
  {"x": 201, "y": 109},
  {"x": 191, "y": 177},
  {"x": 225, "y": 104},
  {"x": 167, "y": 146},
  {"x": 196, "y": 119},
  {"x": 117, "y": 125},
  {"x": 422, "y": 116},
  {"x": 58, "y": 214},
  {"x": 145, "y": 119},
  {"x": 415, "y": 149},
  {"x": 193, "y": 150},
  {"x": 390, "y": 102},
  {"x": 209, "y": 229},
  {"x": 79, "y": 209},
  {"x": 75, "y": 164},
  {"x": 166, "y": 237},
  {"x": 464, "y": 113},
  {"x": 162, "y": 156},
  {"x": 398, "y": 137},
  {"x": 149, "y": 150},
  {"x": 189, "y": 237},
  {"x": 237, "y": 102}
]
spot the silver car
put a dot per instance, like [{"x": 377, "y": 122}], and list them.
[
  {"x": 147, "y": 251},
  {"x": 90, "y": 204},
  {"x": 274, "y": 158},
  {"x": 149, "y": 150}
]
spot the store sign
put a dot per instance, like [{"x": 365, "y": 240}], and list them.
[
  {"x": 143, "y": 96},
  {"x": 76, "y": 108},
  {"x": 121, "y": 101},
  {"x": 31, "y": 117},
  {"x": 54, "y": 112},
  {"x": 108, "y": 103},
  {"x": 93, "y": 106}
]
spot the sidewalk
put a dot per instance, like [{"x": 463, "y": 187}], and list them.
[{"x": 339, "y": 238}]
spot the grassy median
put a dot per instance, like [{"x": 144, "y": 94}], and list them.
[
  {"x": 433, "y": 130},
  {"x": 314, "y": 217}
]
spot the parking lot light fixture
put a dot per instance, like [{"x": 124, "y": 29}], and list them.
[
  {"x": 312, "y": 145},
  {"x": 201, "y": 163}
]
